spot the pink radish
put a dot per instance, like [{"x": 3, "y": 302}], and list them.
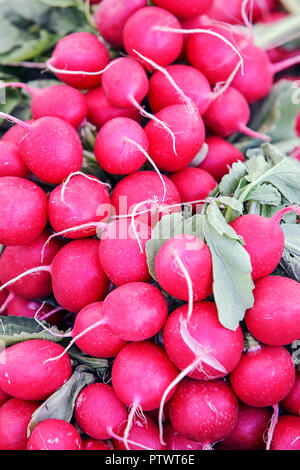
[
  {"x": 220, "y": 157},
  {"x": 92, "y": 444},
  {"x": 24, "y": 374},
  {"x": 23, "y": 210},
  {"x": 54, "y": 434},
  {"x": 3, "y": 397},
  {"x": 11, "y": 163},
  {"x": 185, "y": 9},
  {"x": 205, "y": 329},
  {"x": 144, "y": 431},
  {"x": 15, "y": 416},
  {"x": 233, "y": 11},
  {"x": 176, "y": 441},
  {"x": 20, "y": 307},
  {"x": 15, "y": 133},
  {"x": 204, "y": 411},
  {"x": 286, "y": 433},
  {"x": 291, "y": 402}
]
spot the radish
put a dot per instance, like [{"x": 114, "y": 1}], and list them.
[
  {"x": 3, "y": 397},
  {"x": 17, "y": 259},
  {"x": 79, "y": 201},
  {"x": 187, "y": 126},
  {"x": 92, "y": 444},
  {"x": 195, "y": 256},
  {"x": 76, "y": 58},
  {"x": 274, "y": 318},
  {"x": 101, "y": 110},
  {"x": 191, "y": 81},
  {"x": 24, "y": 374},
  {"x": 20, "y": 307},
  {"x": 54, "y": 434},
  {"x": 220, "y": 157},
  {"x": 61, "y": 101},
  {"x": 144, "y": 432},
  {"x": 291, "y": 402},
  {"x": 111, "y": 16},
  {"x": 15, "y": 416},
  {"x": 141, "y": 33},
  {"x": 286, "y": 434},
  {"x": 185, "y": 9},
  {"x": 204, "y": 411},
  {"x": 120, "y": 255},
  {"x": 120, "y": 308},
  {"x": 101, "y": 342},
  {"x": 23, "y": 210},
  {"x": 113, "y": 149},
  {"x": 226, "y": 346},
  {"x": 250, "y": 429},
  {"x": 233, "y": 11},
  {"x": 15, "y": 133},
  {"x": 11, "y": 163},
  {"x": 176, "y": 441},
  {"x": 99, "y": 412},
  {"x": 193, "y": 184}
]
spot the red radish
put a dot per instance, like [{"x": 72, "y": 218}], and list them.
[
  {"x": 24, "y": 373},
  {"x": 113, "y": 150},
  {"x": 3, "y": 397},
  {"x": 230, "y": 113},
  {"x": 264, "y": 376},
  {"x": 11, "y": 163},
  {"x": 15, "y": 416},
  {"x": 233, "y": 11},
  {"x": 291, "y": 402},
  {"x": 274, "y": 318},
  {"x": 82, "y": 199},
  {"x": 54, "y": 434},
  {"x": 17, "y": 259},
  {"x": 101, "y": 342},
  {"x": 4, "y": 294},
  {"x": 101, "y": 110},
  {"x": 194, "y": 254},
  {"x": 226, "y": 346},
  {"x": 144, "y": 432},
  {"x": 125, "y": 82},
  {"x": 220, "y": 157},
  {"x": 120, "y": 308},
  {"x": 298, "y": 124},
  {"x": 204, "y": 411},
  {"x": 193, "y": 184},
  {"x": 23, "y": 210},
  {"x": 176, "y": 441},
  {"x": 15, "y": 133},
  {"x": 82, "y": 52},
  {"x": 20, "y": 307},
  {"x": 92, "y": 444},
  {"x": 60, "y": 101},
  {"x": 190, "y": 80},
  {"x": 250, "y": 429},
  {"x": 77, "y": 276},
  {"x": 187, "y": 126},
  {"x": 141, "y": 33},
  {"x": 185, "y": 9},
  {"x": 99, "y": 412},
  {"x": 111, "y": 16},
  {"x": 286, "y": 434},
  {"x": 120, "y": 255}
]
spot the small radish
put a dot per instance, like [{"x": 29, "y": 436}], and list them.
[
  {"x": 24, "y": 373},
  {"x": 121, "y": 307},
  {"x": 204, "y": 411},
  {"x": 92, "y": 444},
  {"x": 11, "y": 163},
  {"x": 54, "y": 434},
  {"x": 176, "y": 441},
  {"x": 185, "y": 9},
  {"x": 274, "y": 318},
  {"x": 82, "y": 52},
  {"x": 194, "y": 254},
  {"x": 144, "y": 431},
  {"x": 3, "y": 397},
  {"x": 141, "y": 33},
  {"x": 226, "y": 346},
  {"x": 291, "y": 402},
  {"x": 233, "y": 11},
  {"x": 17, "y": 259},
  {"x": 113, "y": 150},
  {"x": 15, "y": 133},
  {"x": 111, "y": 16},
  {"x": 286, "y": 433},
  {"x": 82, "y": 199},
  {"x": 20, "y": 307},
  {"x": 120, "y": 255},
  {"x": 193, "y": 184},
  {"x": 101, "y": 110},
  {"x": 99, "y": 412},
  {"x": 23, "y": 210},
  {"x": 250, "y": 429},
  {"x": 15, "y": 416}
]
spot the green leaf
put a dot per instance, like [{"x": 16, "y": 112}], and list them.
[
  {"x": 265, "y": 194},
  {"x": 232, "y": 285},
  {"x": 230, "y": 182},
  {"x": 60, "y": 3},
  {"x": 84, "y": 359},
  {"x": 230, "y": 202},
  {"x": 61, "y": 404},
  {"x": 290, "y": 260},
  {"x": 191, "y": 226},
  {"x": 30, "y": 48}
]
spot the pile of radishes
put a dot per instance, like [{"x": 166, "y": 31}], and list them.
[{"x": 75, "y": 247}]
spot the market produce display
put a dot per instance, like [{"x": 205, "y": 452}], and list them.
[{"x": 149, "y": 225}]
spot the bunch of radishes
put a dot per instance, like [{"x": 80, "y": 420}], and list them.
[{"x": 179, "y": 379}]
